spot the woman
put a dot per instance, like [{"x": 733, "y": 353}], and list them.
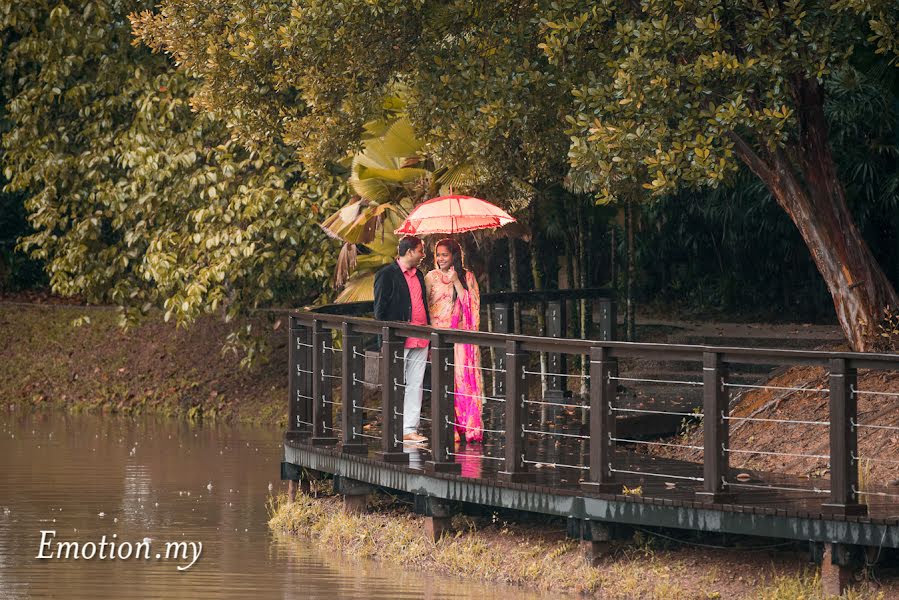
[{"x": 454, "y": 302}]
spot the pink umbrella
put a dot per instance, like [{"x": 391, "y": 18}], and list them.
[{"x": 453, "y": 214}]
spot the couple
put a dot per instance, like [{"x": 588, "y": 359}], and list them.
[{"x": 447, "y": 297}]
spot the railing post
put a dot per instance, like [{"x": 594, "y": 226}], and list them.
[
  {"x": 515, "y": 468},
  {"x": 322, "y": 421},
  {"x": 441, "y": 408},
  {"x": 502, "y": 323},
  {"x": 352, "y": 373},
  {"x": 716, "y": 430},
  {"x": 843, "y": 440},
  {"x": 556, "y": 320},
  {"x": 300, "y": 360},
  {"x": 601, "y": 479},
  {"x": 391, "y": 398},
  {"x": 608, "y": 319}
]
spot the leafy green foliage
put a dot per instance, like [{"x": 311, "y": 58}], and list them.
[
  {"x": 883, "y": 19},
  {"x": 667, "y": 89},
  {"x": 471, "y": 79},
  {"x": 135, "y": 199}
]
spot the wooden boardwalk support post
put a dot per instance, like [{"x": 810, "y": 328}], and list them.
[
  {"x": 322, "y": 420},
  {"x": 556, "y": 320},
  {"x": 716, "y": 434},
  {"x": 438, "y": 517},
  {"x": 441, "y": 407},
  {"x": 392, "y": 397},
  {"x": 600, "y": 478},
  {"x": 352, "y": 373},
  {"x": 300, "y": 383},
  {"x": 837, "y": 564},
  {"x": 515, "y": 468},
  {"x": 843, "y": 440},
  {"x": 355, "y": 493}
]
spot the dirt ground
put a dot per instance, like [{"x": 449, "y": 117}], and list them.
[
  {"x": 153, "y": 368},
  {"x": 878, "y": 448}
]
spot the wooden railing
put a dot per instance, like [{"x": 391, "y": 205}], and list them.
[{"x": 320, "y": 341}]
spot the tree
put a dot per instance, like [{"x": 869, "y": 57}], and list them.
[
  {"x": 656, "y": 96},
  {"x": 135, "y": 199},
  {"x": 672, "y": 94},
  {"x": 475, "y": 86}
]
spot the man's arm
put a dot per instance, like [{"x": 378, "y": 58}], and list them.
[{"x": 383, "y": 291}]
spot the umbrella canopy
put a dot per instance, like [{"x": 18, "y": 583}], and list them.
[{"x": 453, "y": 214}]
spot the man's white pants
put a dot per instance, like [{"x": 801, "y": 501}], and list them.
[{"x": 415, "y": 361}]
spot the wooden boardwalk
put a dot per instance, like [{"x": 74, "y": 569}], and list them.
[
  {"x": 651, "y": 501},
  {"x": 538, "y": 455},
  {"x": 677, "y": 481}
]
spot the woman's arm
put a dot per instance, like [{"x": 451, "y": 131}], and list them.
[{"x": 457, "y": 284}]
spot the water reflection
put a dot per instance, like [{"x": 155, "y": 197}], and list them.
[
  {"x": 469, "y": 455},
  {"x": 87, "y": 477}
]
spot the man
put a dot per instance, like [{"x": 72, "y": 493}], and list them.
[{"x": 400, "y": 296}]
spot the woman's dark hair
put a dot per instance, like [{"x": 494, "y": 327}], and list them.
[
  {"x": 409, "y": 242},
  {"x": 456, "y": 250}
]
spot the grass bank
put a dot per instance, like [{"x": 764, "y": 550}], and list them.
[
  {"x": 540, "y": 557},
  {"x": 154, "y": 368}
]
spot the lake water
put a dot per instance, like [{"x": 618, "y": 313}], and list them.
[{"x": 148, "y": 484}]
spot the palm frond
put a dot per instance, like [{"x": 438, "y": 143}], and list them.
[
  {"x": 458, "y": 176},
  {"x": 359, "y": 288},
  {"x": 346, "y": 263}
]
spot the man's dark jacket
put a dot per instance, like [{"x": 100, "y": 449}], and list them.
[{"x": 392, "y": 299}]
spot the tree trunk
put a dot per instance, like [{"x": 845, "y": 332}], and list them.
[
  {"x": 613, "y": 255},
  {"x": 631, "y": 271},
  {"x": 537, "y": 275},
  {"x": 513, "y": 283},
  {"x": 582, "y": 232},
  {"x": 810, "y": 192}
]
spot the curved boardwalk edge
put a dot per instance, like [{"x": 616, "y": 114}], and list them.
[{"x": 606, "y": 508}]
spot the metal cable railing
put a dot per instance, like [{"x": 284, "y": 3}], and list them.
[
  {"x": 813, "y": 490},
  {"x": 473, "y": 455},
  {"x": 651, "y": 474},
  {"x": 554, "y": 433},
  {"x": 449, "y": 364},
  {"x": 553, "y": 464},
  {"x": 762, "y": 420},
  {"x": 642, "y": 380},
  {"x": 601, "y": 399},
  {"x": 365, "y": 435},
  {"x": 562, "y": 404},
  {"x": 650, "y": 443}
]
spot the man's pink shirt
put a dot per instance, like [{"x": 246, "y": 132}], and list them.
[{"x": 419, "y": 316}]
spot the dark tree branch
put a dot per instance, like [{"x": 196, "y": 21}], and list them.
[{"x": 751, "y": 158}]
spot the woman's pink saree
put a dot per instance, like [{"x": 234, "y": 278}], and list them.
[{"x": 464, "y": 313}]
